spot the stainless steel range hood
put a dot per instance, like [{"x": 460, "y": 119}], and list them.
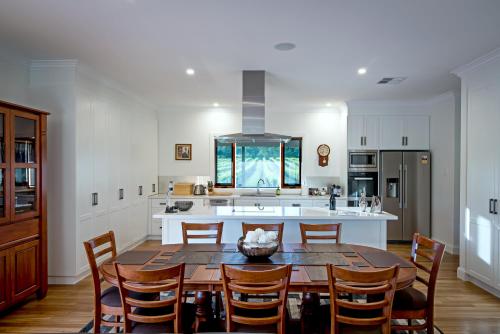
[{"x": 254, "y": 113}]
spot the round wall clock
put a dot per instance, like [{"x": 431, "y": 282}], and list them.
[{"x": 323, "y": 153}]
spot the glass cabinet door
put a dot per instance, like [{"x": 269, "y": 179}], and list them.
[
  {"x": 4, "y": 205},
  {"x": 25, "y": 165}
]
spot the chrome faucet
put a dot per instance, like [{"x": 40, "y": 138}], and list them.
[{"x": 258, "y": 185}]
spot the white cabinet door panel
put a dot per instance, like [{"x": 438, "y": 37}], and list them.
[
  {"x": 392, "y": 132},
  {"x": 417, "y": 133},
  {"x": 371, "y": 132},
  {"x": 355, "y": 131}
]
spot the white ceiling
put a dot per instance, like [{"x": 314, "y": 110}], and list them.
[{"x": 146, "y": 45}]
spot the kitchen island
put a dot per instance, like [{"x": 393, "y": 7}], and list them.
[{"x": 362, "y": 228}]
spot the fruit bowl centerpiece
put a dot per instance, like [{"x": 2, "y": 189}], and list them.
[
  {"x": 258, "y": 244},
  {"x": 183, "y": 205}
]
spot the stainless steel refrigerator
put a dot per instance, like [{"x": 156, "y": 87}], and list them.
[{"x": 405, "y": 190}]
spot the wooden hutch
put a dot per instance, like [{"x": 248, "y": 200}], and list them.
[{"x": 23, "y": 203}]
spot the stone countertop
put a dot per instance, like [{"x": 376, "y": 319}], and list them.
[
  {"x": 238, "y": 196},
  {"x": 274, "y": 212}
]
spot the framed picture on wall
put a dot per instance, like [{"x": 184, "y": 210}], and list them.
[{"x": 183, "y": 152}]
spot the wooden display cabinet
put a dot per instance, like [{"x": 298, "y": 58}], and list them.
[{"x": 23, "y": 203}]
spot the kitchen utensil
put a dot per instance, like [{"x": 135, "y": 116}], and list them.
[
  {"x": 183, "y": 205},
  {"x": 199, "y": 189}
]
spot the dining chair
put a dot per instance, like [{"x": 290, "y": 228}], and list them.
[
  {"x": 106, "y": 302},
  {"x": 204, "y": 231},
  {"x": 258, "y": 312},
  {"x": 411, "y": 303},
  {"x": 201, "y": 228},
  {"x": 371, "y": 315},
  {"x": 266, "y": 227},
  {"x": 319, "y": 232},
  {"x": 156, "y": 316}
]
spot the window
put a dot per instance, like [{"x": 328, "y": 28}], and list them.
[{"x": 242, "y": 166}]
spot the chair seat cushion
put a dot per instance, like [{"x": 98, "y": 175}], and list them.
[
  {"x": 161, "y": 327},
  {"x": 409, "y": 299},
  {"x": 111, "y": 296},
  {"x": 351, "y": 329}
]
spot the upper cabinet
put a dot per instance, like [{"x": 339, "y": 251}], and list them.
[
  {"x": 404, "y": 132},
  {"x": 363, "y": 132},
  {"x": 388, "y": 132}
]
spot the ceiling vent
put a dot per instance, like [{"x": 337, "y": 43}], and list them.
[{"x": 392, "y": 81}]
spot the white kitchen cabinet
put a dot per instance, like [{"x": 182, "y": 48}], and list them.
[
  {"x": 480, "y": 184},
  {"x": 325, "y": 203},
  {"x": 404, "y": 132},
  {"x": 296, "y": 203},
  {"x": 362, "y": 132}
]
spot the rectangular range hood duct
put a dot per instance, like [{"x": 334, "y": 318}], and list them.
[{"x": 254, "y": 113}]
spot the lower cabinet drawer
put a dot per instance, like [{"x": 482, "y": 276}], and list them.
[{"x": 12, "y": 233}]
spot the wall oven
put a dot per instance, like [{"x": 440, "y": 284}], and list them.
[{"x": 362, "y": 176}]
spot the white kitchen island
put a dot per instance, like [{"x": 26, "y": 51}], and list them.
[{"x": 362, "y": 228}]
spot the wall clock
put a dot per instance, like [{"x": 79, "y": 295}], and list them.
[{"x": 323, "y": 153}]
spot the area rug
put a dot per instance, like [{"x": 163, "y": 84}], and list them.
[{"x": 294, "y": 303}]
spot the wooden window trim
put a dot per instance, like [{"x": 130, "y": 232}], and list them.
[
  {"x": 283, "y": 184},
  {"x": 233, "y": 171}
]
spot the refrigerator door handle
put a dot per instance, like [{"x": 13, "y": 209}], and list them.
[
  {"x": 491, "y": 205},
  {"x": 400, "y": 186},
  {"x": 405, "y": 185}
]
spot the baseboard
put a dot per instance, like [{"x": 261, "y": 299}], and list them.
[
  {"x": 84, "y": 272},
  {"x": 153, "y": 237},
  {"x": 462, "y": 274}
]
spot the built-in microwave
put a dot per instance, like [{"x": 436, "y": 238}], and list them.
[{"x": 363, "y": 161}]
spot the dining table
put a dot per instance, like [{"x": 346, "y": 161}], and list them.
[{"x": 309, "y": 275}]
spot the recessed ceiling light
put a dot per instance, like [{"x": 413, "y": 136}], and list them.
[
  {"x": 362, "y": 70},
  {"x": 286, "y": 46},
  {"x": 215, "y": 104},
  {"x": 328, "y": 104},
  {"x": 190, "y": 71}
]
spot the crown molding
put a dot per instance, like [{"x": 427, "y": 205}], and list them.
[
  {"x": 490, "y": 56},
  {"x": 402, "y": 103}
]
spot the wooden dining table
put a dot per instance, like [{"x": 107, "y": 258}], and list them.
[{"x": 202, "y": 273}]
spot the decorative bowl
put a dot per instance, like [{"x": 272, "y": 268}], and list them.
[
  {"x": 254, "y": 250},
  {"x": 183, "y": 205}
]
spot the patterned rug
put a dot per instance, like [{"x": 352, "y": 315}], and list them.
[{"x": 294, "y": 304}]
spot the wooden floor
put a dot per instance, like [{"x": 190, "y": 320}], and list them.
[{"x": 460, "y": 307}]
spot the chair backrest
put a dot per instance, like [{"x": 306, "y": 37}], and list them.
[
  {"x": 377, "y": 286},
  {"x": 151, "y": 281},
  {"x": 107, "y": 245},
  {"x": 426, "y": 255},
  {"x": 255, "y": 283},
  {"x": 266, "y": 227},
  {"x": 200, "y": 228},
  {"x": 317, "y": 229}
]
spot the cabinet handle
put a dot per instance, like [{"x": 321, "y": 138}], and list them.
[
  {"x": 406, "y": 141},
  {"x": 120, "y": 194},
  {"x": 296, "y": 204},
  {"x": 140, "y": 190},
  {"x": 153, "y": 187},
  {"x": 490, "y": 210},
  {"x": 95, "y": 199},
  {"x": 364, "y": 141},
  {"x": 403, "y": 141},
  {"x": 361, "y": 140},
  {"x": 495, "y": 201},
  {"x": 162, "y": 203}
]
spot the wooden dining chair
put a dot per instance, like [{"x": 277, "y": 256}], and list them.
[
  {"x": 318, "y": 230},
  {"x": 266, "y": 227},
  {"x": 411, "y": 303},
  {"x": 106, "y": 302},
  {"x": 204, "y": 231},
  {"x": 373, "y": 314},
  {"x": 157, "y": 316},
  {"x": 247, "y": 315},
  {"x": 198, "y": 227}
]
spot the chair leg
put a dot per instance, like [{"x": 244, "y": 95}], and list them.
[
  {"x": 97, "y": 323},
  {"x": 410, "y": 331}
]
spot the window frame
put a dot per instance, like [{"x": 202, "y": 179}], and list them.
[
  {"x": 233, "y": 165},
  {"x": 283, "y": 185}
]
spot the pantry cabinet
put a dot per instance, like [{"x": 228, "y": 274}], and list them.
[
  {"x": 23, "y": 205},
  {"x": 480, "y": 184}
]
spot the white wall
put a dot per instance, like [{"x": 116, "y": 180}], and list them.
[
  {"x": 199, "y": 126},
  {"x": 444, "y": 145},
  {"x": 14, "y": 77}
]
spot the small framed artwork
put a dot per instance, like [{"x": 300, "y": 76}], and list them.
[{"x": 183, "y": 152}]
